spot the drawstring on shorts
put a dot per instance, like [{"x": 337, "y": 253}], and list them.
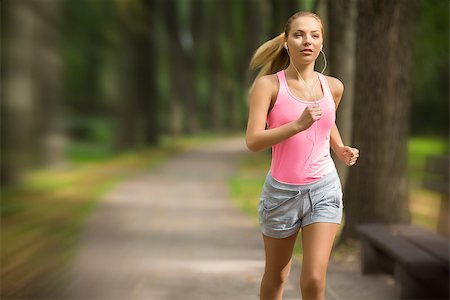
[{"x": 310, "y": 201}]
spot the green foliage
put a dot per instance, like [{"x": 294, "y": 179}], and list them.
[
  {"x": 430, "y": 93},
  {"x": 307, "y": 5},
  {"x": 419, "y": 148},
  {"x": 86, "y": 28}
]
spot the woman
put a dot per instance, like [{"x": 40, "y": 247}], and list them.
[{"x": 302, "y": 189}]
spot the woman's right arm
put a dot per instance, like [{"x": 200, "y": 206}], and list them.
[{"x": 258, "y": 137}]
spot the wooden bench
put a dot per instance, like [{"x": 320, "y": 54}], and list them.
[
  {"x": 437, "y": 180},
  {"x": 418, "y": 259}
]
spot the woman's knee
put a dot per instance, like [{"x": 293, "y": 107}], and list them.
[
  {"x": 312, "y": 285},
  {"x": 277, "y": 277}
]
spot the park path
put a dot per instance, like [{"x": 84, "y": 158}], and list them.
[{"x": 173, "y": 234}]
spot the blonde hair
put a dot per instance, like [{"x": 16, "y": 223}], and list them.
[{"x": 271, "y": 56}]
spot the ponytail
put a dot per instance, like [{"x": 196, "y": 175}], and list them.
[{"x": 271, "y": 57}]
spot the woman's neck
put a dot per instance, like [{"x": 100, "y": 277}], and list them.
[{"x": 302, "y": 72}]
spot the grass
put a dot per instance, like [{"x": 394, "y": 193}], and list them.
[
  {"x": 418, "y": 149},
  {"x": 41, "y": 220},
  {"x": 424, "y": 204},
  {"x": 247, "y": 183}
]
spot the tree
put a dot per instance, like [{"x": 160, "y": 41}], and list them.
[
  {"x": 181, "y": 62},
  {"x": 341, "y": 53},
  {"x": 17, "y": 97},
  {"x": 138, "y": 115},
  {"x": 214, "y": 62},
  {"x": 32, "y": 129},
  {"x": 281, "y": 11},
  {"x": 430, "y": 105},
  {"x": 49, "y": 135},
  {"x": 376, "y": 189}
]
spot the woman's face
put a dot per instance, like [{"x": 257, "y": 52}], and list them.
[{"x": 305, "y": 39}]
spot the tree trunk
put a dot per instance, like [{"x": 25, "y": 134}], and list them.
[
  {"x": 216, "y": 24},
  {"x": 144, "y": 88},
  {"x": 321, "y": 9},
  {"x": 341, "y": 53},
  {"x": 145, "y": 72},
  {"x": 181, "y": 65},
  {"x": 138, "y": 111},
  {"x": 30, "y": 107},
  {"x": 199, "y": 47},
  {"x": 16, "y": 91},
  {"x": 127, "y": 111},
  {"x": 257, "y": 14},
  {"x": 232, "y": 11},
  {"x": 281, "y": 11},
  {"x": 49, "y": 135},
  {"x": 376, "y": 189},
  {"x": 254, "y": 33}
]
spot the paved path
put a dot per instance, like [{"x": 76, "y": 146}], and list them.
[{"x": 174, "y": 234}]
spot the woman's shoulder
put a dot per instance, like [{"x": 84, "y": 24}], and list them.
[
  {"x": 267, "y": 82},
  {"x": 336, "y": 86},
  {"x": 271, "y": 79}
]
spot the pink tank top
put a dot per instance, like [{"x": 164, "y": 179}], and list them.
[{"x": 305, "y": 157}]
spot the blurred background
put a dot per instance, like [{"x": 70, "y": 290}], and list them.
[{"x": 93, "y": 91}]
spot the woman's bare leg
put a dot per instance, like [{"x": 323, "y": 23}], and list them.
[
  {"x": 278, "y": 265},
  {"x": 317, "y": 241}
]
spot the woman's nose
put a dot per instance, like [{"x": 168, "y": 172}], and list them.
[{"x": 307, "y": 40}]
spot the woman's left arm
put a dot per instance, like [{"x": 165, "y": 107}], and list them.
[{"x": 348, "y": 155}]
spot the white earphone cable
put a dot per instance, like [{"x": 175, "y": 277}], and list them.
[{"x": 311, "y": 96}]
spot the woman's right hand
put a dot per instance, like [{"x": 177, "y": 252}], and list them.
[
  {"x": 258, "y": 137},
  {"x": 311, "y": 114}
]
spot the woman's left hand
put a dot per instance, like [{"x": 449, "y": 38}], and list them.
[{"x": 348, "y": 155}]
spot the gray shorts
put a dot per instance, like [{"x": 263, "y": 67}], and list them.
[{"x": 285, "y": 208}]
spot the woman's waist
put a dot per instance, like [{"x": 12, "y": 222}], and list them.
[
  {"x": 302, "y": 146},
  {"x": 302, "y": 174}
]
